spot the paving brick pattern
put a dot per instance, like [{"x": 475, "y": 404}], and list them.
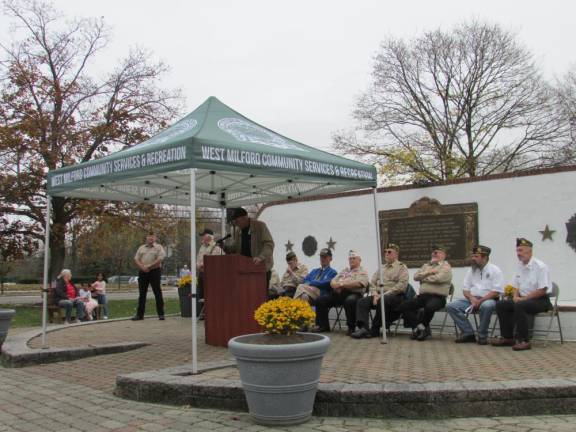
[
  {"x": 348, "y": 361},
  {"x": 30, "y": 402}
]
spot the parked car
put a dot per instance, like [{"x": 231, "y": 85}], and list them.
[
  {"x": 169, "y": 280},
  {"x": 119, "y": 279},
  {"x": 133, "y": 280}
]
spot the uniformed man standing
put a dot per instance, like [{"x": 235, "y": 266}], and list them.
[
  {"x": 347, "y": 288},
  {"x": 394, "y": 287},
  {"x": 481, "y": 288},
  {"x": 149, "y": 259},
  {"x": 435, "y": 278},
  {"x": 532, "y": 285}
]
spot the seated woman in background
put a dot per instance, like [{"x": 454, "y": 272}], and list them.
[
  {"x": 90, "y": 304},
  {"x": 99, "y": 287},
  {"x": 66, "y": 296}
]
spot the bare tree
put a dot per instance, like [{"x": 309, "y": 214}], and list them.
[
  {"x": 454, "y": 104},
  {"x": 566, "y": 92},
  {"x": 54, "y": 113}
]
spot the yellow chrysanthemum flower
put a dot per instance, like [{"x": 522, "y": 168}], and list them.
[{"x": 284, "y": 315}]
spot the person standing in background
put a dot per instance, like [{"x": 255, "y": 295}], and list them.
[{"x": 149, "y": 259}]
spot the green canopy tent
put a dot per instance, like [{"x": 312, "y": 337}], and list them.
[{"x": 213, "y": 157}]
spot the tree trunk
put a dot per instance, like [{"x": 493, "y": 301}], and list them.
[{"x": 57, "y": 237}]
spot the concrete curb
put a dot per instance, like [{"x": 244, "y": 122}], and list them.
[
  {"x": 16, "y": 352},
  {"x": 177, "y": 386}
]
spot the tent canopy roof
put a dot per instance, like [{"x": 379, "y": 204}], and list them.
[{"x": 237, "y": 162}]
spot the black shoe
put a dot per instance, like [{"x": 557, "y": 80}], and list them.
[
  {"x": 350, "y": 331},
  {"x": 161, "y": 317},
  {"x": 466, "y": 339},
  {"x": 424, "y": 334},
  {"x": 375, "y": 332},
  {"x": 482, "y": 341},
  {"x": 137, "y": 318},
  {"x": 361, "y": 333},
  {"x": 320, "y": 330}
]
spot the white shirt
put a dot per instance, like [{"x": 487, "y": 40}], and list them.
[
  {"x": 532, "y": 276},
  {"x": 482, "y": 281}
]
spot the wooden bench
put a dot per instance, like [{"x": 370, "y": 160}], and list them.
[{"x": 54, "y": 309}]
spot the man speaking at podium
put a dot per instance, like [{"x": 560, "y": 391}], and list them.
[{"x": 252, "y": 239}]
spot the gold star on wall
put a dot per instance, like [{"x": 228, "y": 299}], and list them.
[
  {"x": 547, "y": 233},
  {"x": 331, "y": 244},
  {"x": 289, "y": 246}
]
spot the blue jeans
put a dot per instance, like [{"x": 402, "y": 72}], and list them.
[
  {"x": 457, "y": 308},
  {"x": 101, "y": 298},
  {"x": 67, "y": 305}
]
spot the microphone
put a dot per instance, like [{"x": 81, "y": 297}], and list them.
[{"x": 226, "y": 237}]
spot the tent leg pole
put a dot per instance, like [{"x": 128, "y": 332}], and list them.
[
  {"x": 193, "y": 267},
  {"x": 223, "y": 223},
  {"x": 46, "y": 269},
  {"x": 381, "y": 270}
]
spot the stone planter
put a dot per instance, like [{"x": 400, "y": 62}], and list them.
[
  {"x": 279, "y": 374},
  {"x": 5, "y": 319}
]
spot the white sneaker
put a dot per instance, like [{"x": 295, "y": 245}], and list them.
[{"x": 104, "y": 317}]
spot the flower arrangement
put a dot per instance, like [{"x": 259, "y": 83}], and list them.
[
  {"x": 509, "y": 292},
  {"x": 284, "y": 315},
  {"x": 184, "y": 281}
]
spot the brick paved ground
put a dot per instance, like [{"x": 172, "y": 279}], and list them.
[
  {"x": 30, "y": 402},
  {"x": 348, "y": 361}
]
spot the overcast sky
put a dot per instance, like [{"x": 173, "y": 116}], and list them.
[{"x": 297, "y": 66}]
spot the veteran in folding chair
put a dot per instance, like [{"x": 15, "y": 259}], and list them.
[
  {"x": 293, "y": 276},
  {"x": 317, "y": 282},
  {"x": 435, "y": 278},
  {"x": 531, "y": 285},
  {"x": 482, "y": 286},
  {"x": 347, "y": 287},
  {"x": 394, "y": 286}
]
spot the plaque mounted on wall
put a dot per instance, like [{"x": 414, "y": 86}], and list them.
[{"x": 427, "y": 222}]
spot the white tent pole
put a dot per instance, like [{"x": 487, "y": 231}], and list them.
[
  {"x": 380, "y": 269},
  {"x": 223, "y": 223},
  {"x": 193, "y": 267},
  {"x": 46, "y": 265}
]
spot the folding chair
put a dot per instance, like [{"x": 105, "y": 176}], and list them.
[
  {"x": 338, "y": 320},
  {"x": 448, "y": 300},
  {"x": 408, "y": 295},
  {"x": 552, "y": 313}
]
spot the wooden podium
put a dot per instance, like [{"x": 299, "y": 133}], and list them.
[{"x": 234, "y": 287}]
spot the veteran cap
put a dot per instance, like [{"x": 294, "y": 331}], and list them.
[
  {"x": 523, "y": 242},
  {"x": 290, "y": 256},
  {"x": 353, "y": 254},
  {"x": 238, "y": 212},
  {"x": 325, "y": 252},
  {"x": 393, "y": 246},
  {"x": 481, "y": 250},
  {"x": 438, "y": 247}
]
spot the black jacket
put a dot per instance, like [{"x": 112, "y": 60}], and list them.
[{"x": 60, "y": 290}]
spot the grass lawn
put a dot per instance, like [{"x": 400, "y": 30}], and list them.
[{"x": 31, "y": 316}]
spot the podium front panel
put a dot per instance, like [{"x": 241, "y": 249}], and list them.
[{"x": 234, "y": 287}]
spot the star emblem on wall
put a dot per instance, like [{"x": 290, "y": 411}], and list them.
[
  {"x": 289, "y": 246},
  {"x": 331, "y": 244},
  {"x": 547, "y": 233}
]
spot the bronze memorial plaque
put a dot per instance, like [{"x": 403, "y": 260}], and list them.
[{"x": 427, "y": 222}]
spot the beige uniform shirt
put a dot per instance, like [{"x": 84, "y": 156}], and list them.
[
  {"x": 148, "y": 255},
  {"x": 395, "y": 279},
  {"x": 295, "y": 278},
  {"x": 435, "y": 283},
  {"x": 210, "y": 249},
  {"x": 356, "y": 275}
]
